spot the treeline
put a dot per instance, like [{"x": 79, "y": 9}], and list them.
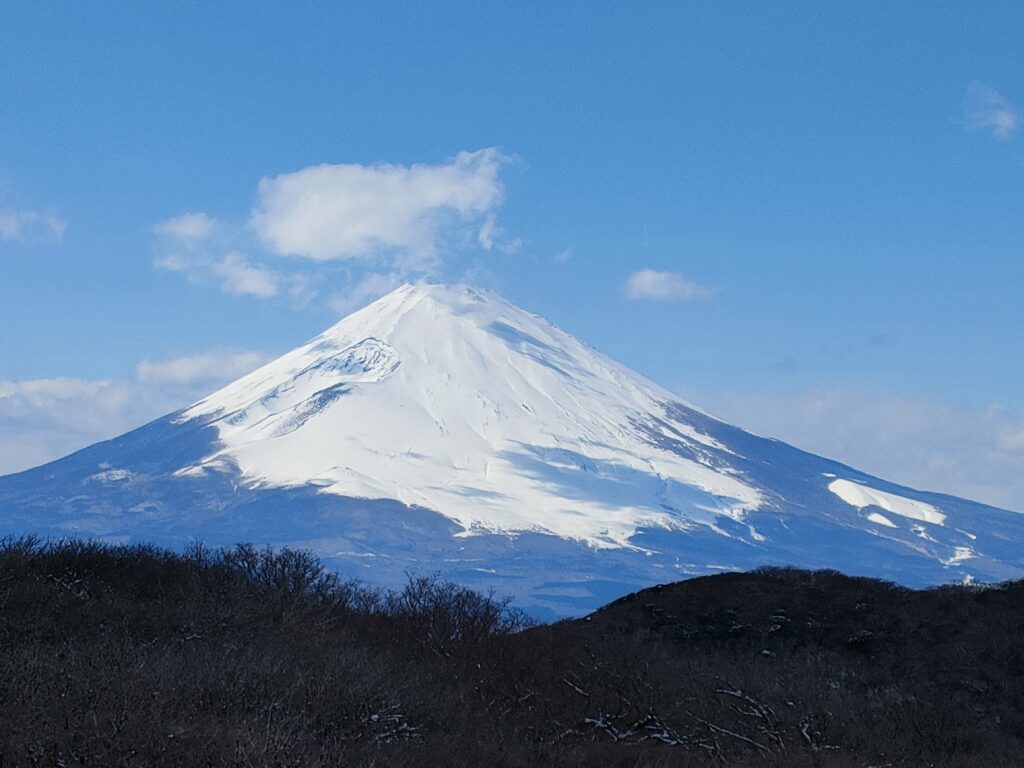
[{"x": 136, "y": 656}]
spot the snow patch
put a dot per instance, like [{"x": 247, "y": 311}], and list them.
[
  {"x": 921, "y": 532},
  {"x": 860, "y": 496},
  {"x": 111, "y": 476},
  {"x": 874, "y": 517},
  {"x": 960, "y": 554}
]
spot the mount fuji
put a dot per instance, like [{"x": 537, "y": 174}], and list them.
[{"x": 445, "y": 429}]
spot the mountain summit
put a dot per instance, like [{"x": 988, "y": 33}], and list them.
[
  {"x": 455, "y": 400},
  {"x": 443, "y": 428}
]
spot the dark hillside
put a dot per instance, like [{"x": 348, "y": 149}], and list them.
[{"x": 137, "y": 657}]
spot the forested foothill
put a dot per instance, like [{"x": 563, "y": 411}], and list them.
[{"x": 136, "y": 656}]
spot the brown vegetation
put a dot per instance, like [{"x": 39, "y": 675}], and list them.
[{"x": 133, "y": 656}]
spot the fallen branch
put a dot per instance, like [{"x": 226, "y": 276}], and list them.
[
  {"x": 576, "y": 688},
  {"x": 726, "y": 732}
]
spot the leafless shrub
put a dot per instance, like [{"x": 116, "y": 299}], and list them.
[{"x": 136, "y": 656}]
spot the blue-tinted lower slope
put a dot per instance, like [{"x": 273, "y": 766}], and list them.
[{"x": 126, "y": 490}]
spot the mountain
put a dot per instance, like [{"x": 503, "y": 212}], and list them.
[{"x": 445, "y": 429}]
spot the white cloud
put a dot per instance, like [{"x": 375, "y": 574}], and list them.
[
  {"x": 487, "y": 232},
  {"x": 240, "y": 277},
  {"x": 234, "y": 273},
  {"x": 215, "y": 366},
  {"x": 367, "y": 227},
  {"x": 44, "y": 419},
  {"x": 329, "y": 212},
  {"x": 47, "y": 392},
  {"x": 31, "y": 225},
  {"x": 187, "y": 227},
  {"x": 935, "y": 446},
  {"x": 172, "y": 262},
  {"x": 988, "y": 110},
  {"x": 662, "y": 286},
  {"x": 188, "y": 247}
]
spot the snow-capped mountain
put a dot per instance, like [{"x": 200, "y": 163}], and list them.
[{"x": 444, "y": 429}]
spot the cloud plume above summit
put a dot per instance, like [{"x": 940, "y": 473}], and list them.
[
  {"x": 344, "y": 211},
  {"x": 350, "y": 229}
]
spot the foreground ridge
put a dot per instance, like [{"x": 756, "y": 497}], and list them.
[{"x": 246, "y": 656}]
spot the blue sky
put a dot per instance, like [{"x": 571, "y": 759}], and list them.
[{"x": 806, "y": 219}]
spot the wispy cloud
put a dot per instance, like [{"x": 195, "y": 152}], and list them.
[
  {"x": 347, "y": 211},
  {"x": 44, "y": 419},
  {"x": 204, "y": 368},
  {"x": 988, "y": 110},
  {"x": 928, "y": 444},
  {"x": 238, "y": 275},
  {"x": 365, "y": 290},
  {"x": 242, "y": 278},
  {"x": 187, "y": 227},
  {"x": 488, "y": 232},
  {"x": 653, "y": 285},
  {"x": 192, "y": 244},
  {"x": 31, "y": 225}
]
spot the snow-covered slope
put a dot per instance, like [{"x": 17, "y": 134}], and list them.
[
  {"x": 443, "y": 428},
  {"x": 455, "y": 400}
]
